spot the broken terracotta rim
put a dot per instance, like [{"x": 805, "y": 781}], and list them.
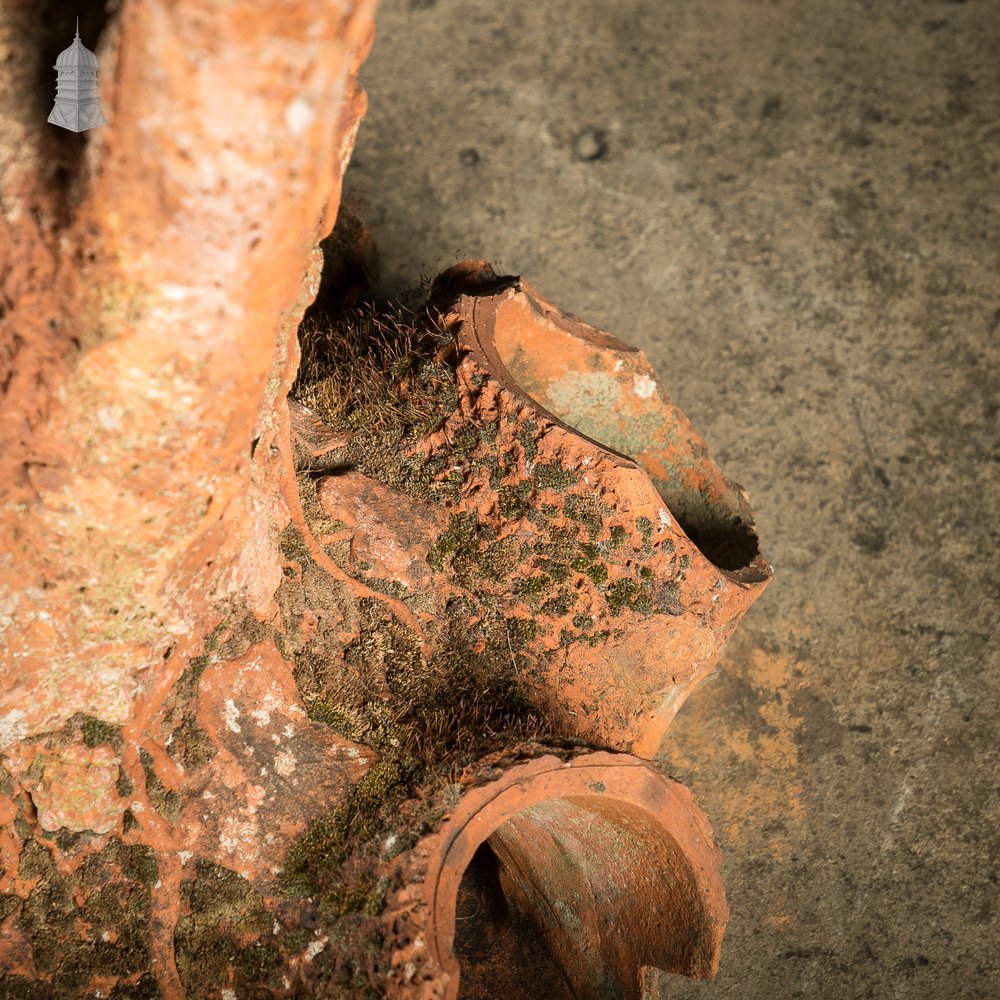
[
  {"x": 603, "y": 858},
  {"x": 724, "y": 529}
]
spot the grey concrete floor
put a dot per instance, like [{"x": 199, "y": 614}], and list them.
[{"x": 795, "y": 211}]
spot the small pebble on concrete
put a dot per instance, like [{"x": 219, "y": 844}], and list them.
[{"x": 589, "y": 145}]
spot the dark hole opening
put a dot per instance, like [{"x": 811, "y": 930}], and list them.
[
  {"x": 499, "y": 950},
  {"x": 725, "y": 538}
]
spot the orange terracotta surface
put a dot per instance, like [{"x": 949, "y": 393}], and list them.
[
  {"x": 603, "y": 864},
  {"x": 74, "y": 788},
  {"x": 156, "y": 753},
  {"x": 147, "y": 341},
  {"x": 133, "y": 506},
  {"x": 643, "y": 611},
  {"x": 273, "y": 773},
  {"x": 597, "y": 870},
  {"x": 390, "y": 535}
]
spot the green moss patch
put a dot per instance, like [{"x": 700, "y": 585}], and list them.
[
  {"x": 107, "y": 934},
  {"x": 553, "y": 476},
  {"x": 190, "y": 745},
  {"x": 509, "y": 574},
  {"x": 588, "y": 511},
  {"x": 513, "y": 500},
  {"x": 146, "y": 988},
  {"x": 526, "y": 435},
  {"x": 473, "y": 552},
  {"x": 388, "y": 376},
  {"x": 222, "y": 915},
  {"x": 96, "y": 732},
  {"x": 166, "y": 802},
  {"x": 20, "y": 988}
]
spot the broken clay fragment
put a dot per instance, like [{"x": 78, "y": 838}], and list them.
[
  {"x": 690, "y": 536},
  {"x": 500, "y": 564},
  {"x": 564, "y": 873},
  {"x": 616, "y": 579}
]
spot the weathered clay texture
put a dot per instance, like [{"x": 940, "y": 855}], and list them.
[
  {"x": 150, "y": 293},
  {"x": 618, "y": 579},
  {"x": 568, "y": 874},
  {"x": 178, "y": 607},
  {"x": 508, "y": 537}
]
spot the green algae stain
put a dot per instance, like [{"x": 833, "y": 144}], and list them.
[{"x": 583, "y": 399}]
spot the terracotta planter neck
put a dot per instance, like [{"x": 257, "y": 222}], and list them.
[{"x": 577, "y": 859}]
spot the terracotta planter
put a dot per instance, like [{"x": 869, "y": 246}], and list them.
[
  {"x": 596, "y": 588},
  {"x": 229, "y": 683}
]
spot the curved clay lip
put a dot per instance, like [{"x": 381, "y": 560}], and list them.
[
  {"x": 487, "y": 290},
  {"x": 689, "y": 915}
]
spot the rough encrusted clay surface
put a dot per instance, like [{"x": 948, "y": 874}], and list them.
[
  {"x": 612, "y": 614},
  {"x": 795, "y": 216},
  {"x": 151, "y": 782},
  {"x": 587, "y": 809}
]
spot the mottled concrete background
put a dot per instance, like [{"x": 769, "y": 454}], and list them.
[{"x": 794, "y": 208}]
